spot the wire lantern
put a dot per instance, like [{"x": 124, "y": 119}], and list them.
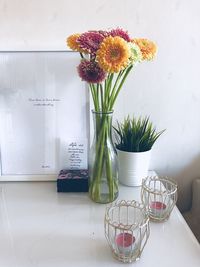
[
  {"x": 159, "y": 196},
  {"x": 126, "y": 229}
]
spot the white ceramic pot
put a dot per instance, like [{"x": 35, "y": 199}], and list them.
[{"x": 133, "y": 167}]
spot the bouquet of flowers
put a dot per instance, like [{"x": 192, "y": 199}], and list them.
[{"x": 107, "y": 57}]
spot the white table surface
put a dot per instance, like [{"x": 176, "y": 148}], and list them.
[{"x": 42, "y": 228}]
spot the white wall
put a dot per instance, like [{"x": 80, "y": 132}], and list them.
[{"x": 166, "y": 89}]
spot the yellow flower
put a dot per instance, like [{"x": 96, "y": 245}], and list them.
[
  {"x": 113, "y": 54},
  {"x": 147, "y": 47},
  {"x": 73, "y": 44}
]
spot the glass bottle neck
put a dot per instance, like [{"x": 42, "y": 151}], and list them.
[{"x": 102, "y": 123}]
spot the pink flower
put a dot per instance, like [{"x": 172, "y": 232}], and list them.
[
  {"x": 121, "y": 33},
  {"x": 90, "y": 72},
  {"x": 90, "y": 41},
  {"x": 104, "y": 33}
]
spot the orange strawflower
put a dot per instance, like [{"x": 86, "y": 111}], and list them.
[
  {"x": 113, "y": 54},
  {"x": 147, "y": 47},
  {"x": 73, "y": 44}
]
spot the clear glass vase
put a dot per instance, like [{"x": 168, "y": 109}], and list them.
[{"x": 103, "y": 163}]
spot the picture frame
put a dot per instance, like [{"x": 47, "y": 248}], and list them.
[{"x": 43, "y": 107}]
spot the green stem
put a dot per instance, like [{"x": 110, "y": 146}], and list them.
[
  {"x": 102, "y": 158},
  {"x": 82, "y": 56},
  {"x": 98, "y": 164},
  {"x": 107, "y": 90},
  {"x": 93, "y": 95},
  {"x": 120, "y": 86},
  {"x": 112, "y": 92},
  {"x": 97, "y": 97},
  {"x": 109, "y": 170},
  {"x": 102, "y": 99}
]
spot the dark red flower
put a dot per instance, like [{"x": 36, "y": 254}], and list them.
[
  {"x": 90, "y": 41},
  {"x": 90, "y": 72}
]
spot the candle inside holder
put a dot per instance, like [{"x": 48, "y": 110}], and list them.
[
  {"x": 157, "y": 208},
  {"x": 125, "y": 242}
]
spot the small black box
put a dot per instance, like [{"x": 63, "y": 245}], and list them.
[{"x": 72, "y": 181}]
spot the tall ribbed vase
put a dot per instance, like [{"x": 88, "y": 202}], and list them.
[{"x": 103, "y": 163}]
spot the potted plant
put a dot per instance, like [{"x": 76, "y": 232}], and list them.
[{"x": 134, "y": 140}]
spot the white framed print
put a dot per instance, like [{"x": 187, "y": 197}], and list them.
[{"x": 44, "y": 106}]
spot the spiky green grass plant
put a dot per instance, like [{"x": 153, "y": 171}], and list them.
[{"x": 135, "y": 135}]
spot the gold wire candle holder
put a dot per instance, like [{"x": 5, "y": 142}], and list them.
[
  {"x": 126, "y": 229},
  {"x": 159, "y": 196}
]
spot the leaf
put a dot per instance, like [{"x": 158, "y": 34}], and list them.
[{"x": 136, "y": 135}]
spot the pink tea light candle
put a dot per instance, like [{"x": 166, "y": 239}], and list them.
[
  {"x": 157, "y": 208},
  {"x": 125, "y": 242}
]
